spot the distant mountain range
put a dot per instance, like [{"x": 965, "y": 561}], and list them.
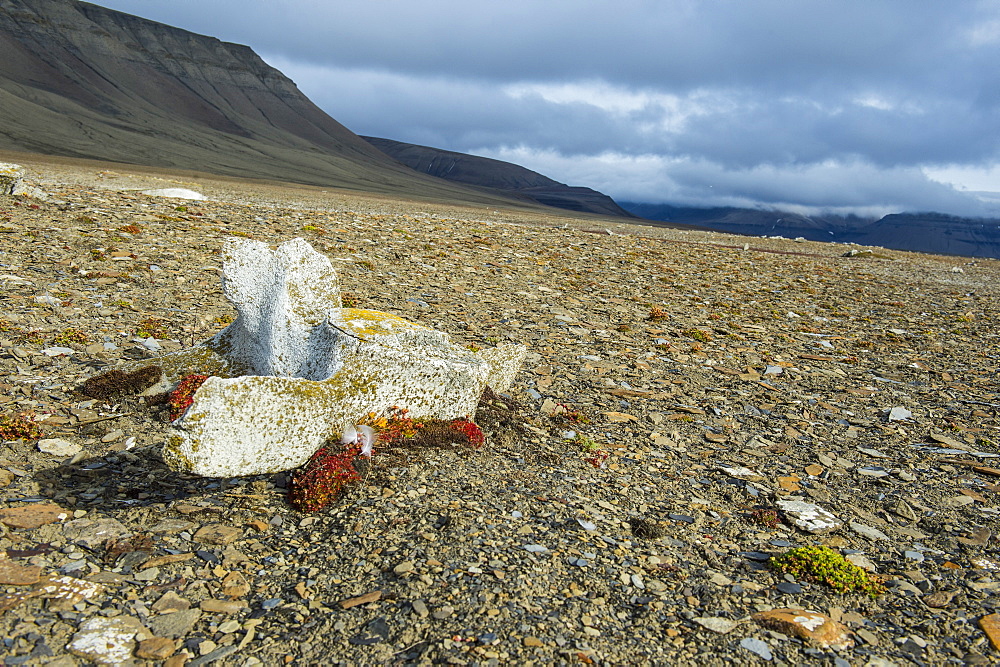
[
  {"x": 918, "y": 232},
  {"x": 79, "y": 80}
]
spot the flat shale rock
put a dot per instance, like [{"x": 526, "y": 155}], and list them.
[
  {"x": 991, "y": 626},
  {"x": 93, "y": 533},
  {"x": 32, "y": 516},
  {"x": 108, "y": 641},
  {"x": 17, "y": 574},
  {"x": 58, "y": 447},
  {"x": 810, "y": 517},
  {"x": 811, "y": 627}
]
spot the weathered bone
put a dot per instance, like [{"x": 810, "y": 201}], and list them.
[{"x": 306, "y": 367}]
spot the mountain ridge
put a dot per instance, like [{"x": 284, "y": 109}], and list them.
[{"x": 498, "y": 175}]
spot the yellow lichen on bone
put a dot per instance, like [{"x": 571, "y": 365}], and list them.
[{"x": 254, "y": 425}]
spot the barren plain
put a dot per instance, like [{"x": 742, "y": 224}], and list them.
[{"x": 681, "y": 388}]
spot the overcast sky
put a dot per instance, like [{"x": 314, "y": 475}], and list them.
[{"x": 864, "y": 106}]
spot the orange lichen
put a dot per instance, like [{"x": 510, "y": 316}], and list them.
[{"x": 18, "y": 427}]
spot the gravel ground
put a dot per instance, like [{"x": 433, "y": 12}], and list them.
[{"x": 679, "y": 387}]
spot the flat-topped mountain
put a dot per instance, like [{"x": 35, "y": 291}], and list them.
[
  {"x": 79, "y": 80},
  {"x": 497, "y": 175},
  {"x": 933, "y": 232}
]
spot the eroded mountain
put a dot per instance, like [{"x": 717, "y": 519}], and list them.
[{"x": 80, "y": 80}]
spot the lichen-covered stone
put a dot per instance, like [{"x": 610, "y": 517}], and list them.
[
  {"x": 12, "y": 182},
  {"x": 811, "y": 627},
  {"x": 10, "y": 176},
  {"x": 108, "y": 641},
  {"x": 283, "y": 299},
  {"x": 259, "y": 424},
  {"x": 300, "y": 367},
  {"x": 809, "y": 517},
  {"x": 505, "y": 361},
  {"x": 175, "y": 193}
]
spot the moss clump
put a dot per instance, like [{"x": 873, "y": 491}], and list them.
[
  {"x": 823, "y": 564},
  {"x": 19, "y": 427},
  {"x": 33, "y": 337},
  {"x": 440, "y": 433},
  {"x": 119, "y": 383},
  {"x": 657, "y": 314},
  {"x": 648, "y": 528},
  {"x": 334, "y": 467},
  {"x": 465, "y": 427},
  {"x": 564, "y": 415},
  {"x": 698, "y": 335},
  {"x": 69, "y": 337},
  {"x": 768, "y": 518},
  {"x": 153, "y": 327},
  {"x": 398, "y": 429}
]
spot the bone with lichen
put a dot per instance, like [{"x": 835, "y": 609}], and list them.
[{"x": 294, "y": 367}]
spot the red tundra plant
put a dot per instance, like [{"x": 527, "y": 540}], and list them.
[
  {"x": 323, "y": 478},
  {"x": 183, "y": 396}
]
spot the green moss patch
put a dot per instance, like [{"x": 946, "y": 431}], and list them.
[{"x": 823, "y": 564}]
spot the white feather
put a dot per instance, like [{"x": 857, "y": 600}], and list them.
[
  {"x": 366, "y": 438},
  {"x": 350, "y": 435}
]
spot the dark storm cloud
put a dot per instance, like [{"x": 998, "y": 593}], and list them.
[
  {"x": 809, "y": 103},
  {"x": 638, "y": 42}
]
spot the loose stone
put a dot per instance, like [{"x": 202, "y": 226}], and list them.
[
  {"x": 32, "y": 516},
  {"x": 107, "y": 641},
  {"x": 812, "y": 627},
  {"x": 809, "y": 517}
]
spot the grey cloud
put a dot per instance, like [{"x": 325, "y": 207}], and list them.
[
  {"x": 775, "y": 43},
  {"x": 802, "y": 131},
  {"x": 828, "y": 187},
  {"x": 452, "y": 114}
]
